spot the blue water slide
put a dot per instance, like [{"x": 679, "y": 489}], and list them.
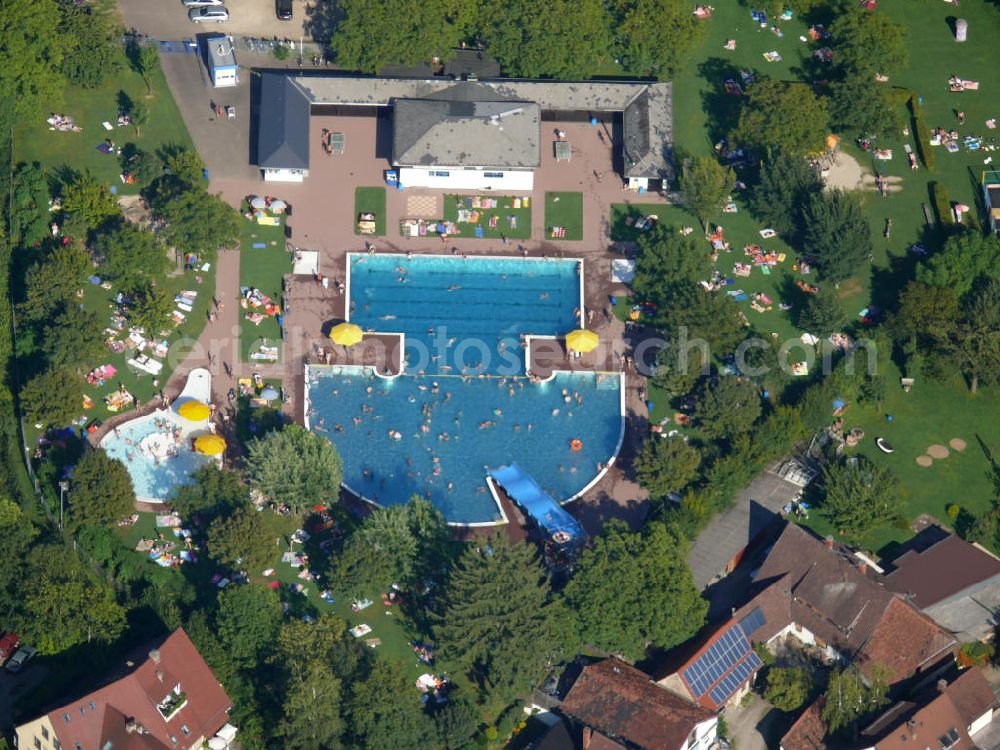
[{"x": 538, "y": 504}]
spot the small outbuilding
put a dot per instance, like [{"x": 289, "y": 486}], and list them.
[{"x": 222, "y": 68}]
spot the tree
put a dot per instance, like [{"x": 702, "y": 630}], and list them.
[
  {"x": 92, "y": 47},
  {"x": 385, "y": 713},
  {"x": 398, "y": 544},
  {"x": 654, "y": 36},
  {"x": 369, "y": 36},
  {"x": 241, "y": 541},
  {"x": 729, "y": 408},
  {"x": 838, "y": 234},
  {"x": 926, "y": 314},
  {"x": 310, "y": 710},
  {"x": 547, "y": 38},
  {"x": 457, "y": 723},
  {"x": 787, "y": 688},
  {"x": 781, "y": 116},
  {"x": 667, "y": 261},
  {"x": 52, "y": 284},
  {"x": 141, "y": 165},
  {"x": 31, "y": 58},
  {"x": 150, "y": 308},
  {"x": 53, "y": 398},
  {"x": 183, "y": 171},
  {"x": 860, "y": 495},
  {"x": 200, "y": 223},
  {"x": 73, "y": 339},
  {"x": 868, "y": 43},
  {"x": 666, "y": 465},
  {"x": 705, "y": 185},
  {"x": 974, "y": 343},
  {"x": 704, "y": 315},
  {"x": 144, "y": 59},
  {"x": 496, "y": 621},
  {"x": 89, "y": 202},
  {"x": 248, "y": 621},
  {"x": 139, "y": 114},
  {"x": 823, "y": 313},
  {"x": 965, "y": 259},
  {"x": 17, "y": 533},
  {"x": 862, "y": 108},
  {"x": 212, "y": 492},
  {"x": 29, "y": 205},
  {"x": 847, "y": 698},
  {"x": 678, "y": 369},
  {"x": 64, "y": 607},
  {"x": 635, "y": 589},
  {"x": 295, "y": 467},
  {"x": 130, "y": 256},
  {"x": 786, "y": 184},
  {"x": 100, "y": 491}
]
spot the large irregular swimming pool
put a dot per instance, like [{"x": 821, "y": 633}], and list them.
[
  {"x": 465, "y": 315},
  {"x": 437, "y": 436},
  {"x": 464, "y": 403}
]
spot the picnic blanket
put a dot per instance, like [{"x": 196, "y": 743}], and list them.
[{"x": 170, "y": 520}]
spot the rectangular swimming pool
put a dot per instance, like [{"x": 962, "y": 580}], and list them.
[{"x": 465, "y": 315}]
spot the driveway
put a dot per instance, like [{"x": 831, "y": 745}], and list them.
[
  {"x": 757, "y": 725},
  {"x": 167, "y": 19},
  {"x": 13, "y": 686}
]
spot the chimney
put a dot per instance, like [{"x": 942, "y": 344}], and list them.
[
  {"x": 154, "y": 654},
  {"x": 159, "y": 675},
  {"x": 828, "y": 542},
  {"x": 130, "y": 725},
  {"x": 587, "y": 734}
]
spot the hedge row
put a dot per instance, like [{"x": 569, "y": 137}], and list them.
[
  {"x": 921, "y": 134},
  {"x": 942, "y": 204}
]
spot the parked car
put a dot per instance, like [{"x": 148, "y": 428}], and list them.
[
  {"x": 8, "y": 645},
  {"x": 216, "y": 14},
  {"x": 283, "y": 9},
  {"x": 21, "y": 657},
  {"x": 202, "y": 3}
]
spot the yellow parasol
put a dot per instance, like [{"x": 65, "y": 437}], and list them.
[
  {"x": 346, "y": 334},
  {"x": 210, "y": 445},
  {"x": 582, "y": 340},
  {"x": 195, "y": 411}
]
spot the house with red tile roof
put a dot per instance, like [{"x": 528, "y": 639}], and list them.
[
  {"x": 830, "y": 598},
  {"x": 615, "y": 706},
  {"x": 167, "y": 700},
  {"x": 951, "y": 716}
]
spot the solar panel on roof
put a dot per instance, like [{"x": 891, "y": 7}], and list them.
[
  {"x": 752, "y": 622},
  {"x": 729, "y": 650}
]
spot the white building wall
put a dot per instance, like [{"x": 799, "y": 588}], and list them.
[
  {"x": 452, "y": 178},
  {"x": 703, "y": 737},
  {"x": 284, "y": 175},
  {"x": 981, "y": 723},
  {"x": 226, "y": 76}
]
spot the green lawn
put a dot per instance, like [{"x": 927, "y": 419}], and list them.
[
  {"x": 56, "y": 150},
  {"x": 564, "y": 210},
  {"x": 143, "y": 385},
  {"x": 503, "y": 213},
  {"x": 263, "y": 268},
  {"x": 370, "y": 200}
]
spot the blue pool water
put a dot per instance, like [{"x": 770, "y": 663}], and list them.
[
  {"x": 153, "y": 479},
  {"x": 449, "y": 433},
  {"x": 464, "y": 315}
]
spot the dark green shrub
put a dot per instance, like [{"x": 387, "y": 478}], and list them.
[
  {"x": 942, "y": 204},
  {"x": 921, "y": 134}
]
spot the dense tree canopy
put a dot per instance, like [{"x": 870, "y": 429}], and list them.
[
  {"x": 781, "y": 116},
  {"x": 101, "y": 491},
  {"x": 823, "y": 313},
  {"x": 787, "y": 687},
  {"x": 386, "y": 713},
  {"x": 635, "y": 589},
  {"x": 925, "y": 314},
  {"x": 654, "y": 35},
  {"x": 838, "y": 234},
  {"x": 668, "y": 261},
  {"x": 965, "y": 259},
  {"x": 53, "y": 397},
  {"x": 496, "y": 622},
  {"x": 295, "y": 467},
  {"x": 848, "y": 698},
  {"x": 93, "y": 51},
  {"x": 74, "y": 338},
  {"x": 859, "y": 495},
  {"x": 89, "y": 203},
  {"x": 51, "y": 284},
  {"x": 729, "y": 407},
  {"x": 786, "y": 184},
  {"x": 150, "y": 307},
  {"x": 705, "y": 185},
  {"x": 248, "y": 621},
  {"x": 29, "y": 210},
  {"x": 200, "y": 223},
  {"x": 241, "y": 541},
  {"x": 868, "y": 43},
  {"x": 862, "y": 108},
  {"x": 666, "y": 465},
  {"x": 212, "y": 492},
  {"x": 31, "y": 58},
  {"x": 129, "y": 255},
  {"x": 973, "y": 343}
]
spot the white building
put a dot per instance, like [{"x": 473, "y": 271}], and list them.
[{"x": 222, "y": 67}]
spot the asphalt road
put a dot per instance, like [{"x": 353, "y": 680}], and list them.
[{"x": 167, "y": 19}]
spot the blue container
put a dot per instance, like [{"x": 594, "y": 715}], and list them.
[{"x": 614, "y": 299}]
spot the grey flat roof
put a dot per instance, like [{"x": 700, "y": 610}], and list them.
[
  {"x": 220, "y": 51},
  {"x": 448, "y": 132},
  {"x": 647, "y": 107},
  {"x": 283, "y": 125}
]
